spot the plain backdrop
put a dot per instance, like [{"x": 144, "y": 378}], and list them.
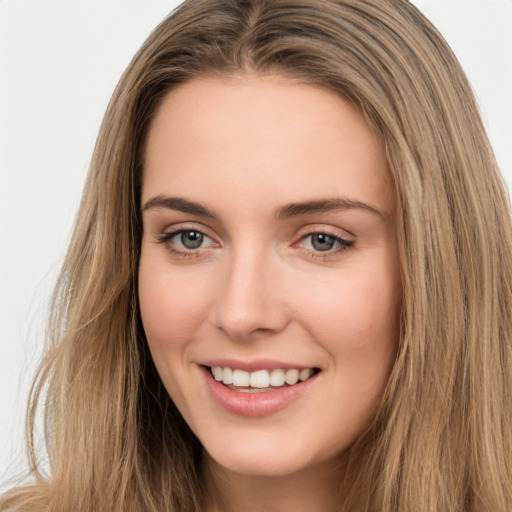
[{"x": 59, "y": 63}]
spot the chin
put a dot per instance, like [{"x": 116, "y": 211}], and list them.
[
  {"x": 277, "y": 465},
  {"x": 270, "y": 459}
]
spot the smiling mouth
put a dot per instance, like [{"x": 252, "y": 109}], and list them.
[{"x": 260, "y": 380}]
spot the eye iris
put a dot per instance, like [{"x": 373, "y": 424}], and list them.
[
  {"x": 322, "y": 242},
  {"x": 192, "y": 239}
]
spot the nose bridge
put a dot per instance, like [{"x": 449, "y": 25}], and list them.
[{"x": 247, "y": 301}]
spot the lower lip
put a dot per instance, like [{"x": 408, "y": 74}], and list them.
[{"x": 255, "y": 404}]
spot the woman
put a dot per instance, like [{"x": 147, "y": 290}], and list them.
[{"x": 289, "y": 281}]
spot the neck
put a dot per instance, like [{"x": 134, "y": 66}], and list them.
[{"x": 318, "y": 488}]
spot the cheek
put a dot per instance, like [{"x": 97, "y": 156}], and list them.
[
  {"x": 172, "y": 303},
  {"x": 356, "y": 320},
  {"x": 358, "y": 312},
  {"x": 173, "y": 309}
]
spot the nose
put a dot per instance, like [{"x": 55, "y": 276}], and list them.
[{"x": 250, "y": 301}]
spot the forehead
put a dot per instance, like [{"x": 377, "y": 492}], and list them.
[{"x": 270, "y": 135}]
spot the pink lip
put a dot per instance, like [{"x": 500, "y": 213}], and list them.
[
  {"x": 258, "y": 404},
  {"x": 252, "y": 366}
]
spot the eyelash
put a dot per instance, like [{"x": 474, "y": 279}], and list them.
[
  {"x": 165, "y": 239},
  {"x": 343, "y": 244}
]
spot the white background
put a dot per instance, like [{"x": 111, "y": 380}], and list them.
[{"x": 59, "y": 63}]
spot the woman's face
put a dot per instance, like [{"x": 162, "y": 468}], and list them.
[{"x": 269, "y": 255}]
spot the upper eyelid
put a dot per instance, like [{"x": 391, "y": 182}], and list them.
[
  {"x": 165, "y": 239},
  {"x": 188, "y": 226},
  {"x": 328, "y": 233},
  {"x": 333, "y": 231},
  {"x": 169, "y": 234},
  {"x": 345, "y": 242},
  {"x": 303, "y": 232}
]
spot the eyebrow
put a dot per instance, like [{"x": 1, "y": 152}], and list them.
[
  {"x": 179, "y": 204},
  {"x": 324, "y": 206},
  {"x": 282, "y": 213}
]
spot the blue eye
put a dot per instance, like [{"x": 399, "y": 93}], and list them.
[
  {"x": 185, "y": 241},
  {"x": 190, "y": 239},
  {"x": 324, "y": 242}
]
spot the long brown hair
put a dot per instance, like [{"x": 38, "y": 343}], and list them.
[{"x": 442, "y": 439}]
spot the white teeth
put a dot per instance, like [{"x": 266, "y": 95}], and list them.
[
  {"x": 228, "y": 376},
  {"x": 260, "y": 378},
  {"x": 217, "y": 372},
  {"x": 277, "y": 378},
  {"x": 292, "y": 376},
  {"x": 305, "y": 374},
  {"x": 241, "y": 378}
]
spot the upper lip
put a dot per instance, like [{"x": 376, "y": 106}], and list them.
[{"x": 255, "y": 364}]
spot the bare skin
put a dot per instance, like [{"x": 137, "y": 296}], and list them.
[
  {"x": 299, "y": 492},
  {"x": 269, "y": 242}
]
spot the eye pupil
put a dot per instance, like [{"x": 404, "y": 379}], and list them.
[
  {"x": 322, "y": 242},
  {"x": 191, "y": 239}
]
